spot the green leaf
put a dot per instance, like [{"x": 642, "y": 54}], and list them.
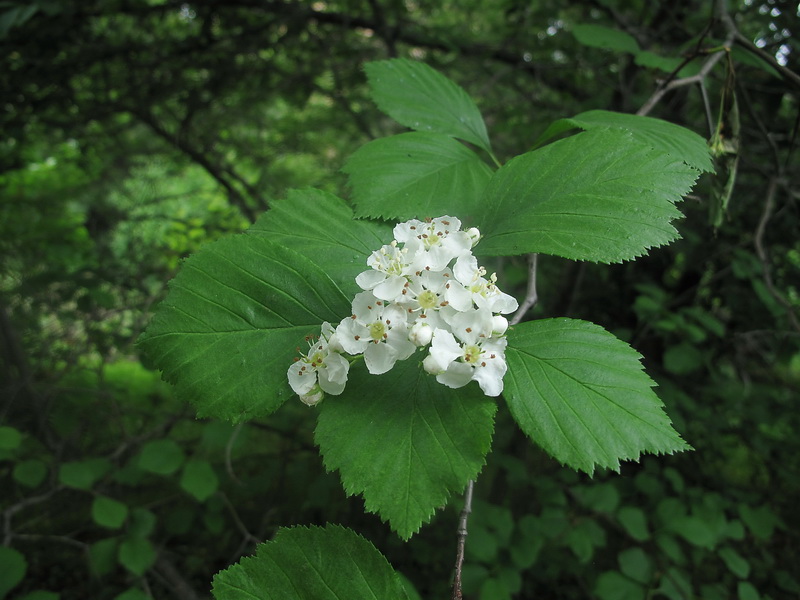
[
  {"x": 232, "y": 320},
  {"x": 600, "y": 195},
  {"x": 404, "y": 441},
  {"x": 330, "y": 563},
  {"x": 13, "y": 569},
  {"x": 634, "y": 522},
  {"x": 634, "y": 563},
  {"x": 417, "y": 96},
  {"x": 322, "y": 227},
  {"x": 746, "y": 591},
  {"x": 142, "y": 523},
  {"x": 162, "y": 457},
  {"x": 675, "y": 584},
  {"x": 599, "y": 36},
  {"x": 108, "y": 512},
  {"x": 683, "y": 358},
  {"x": 735, "y": 562},
  {"x": 761, "y": 521},
  {"x": 30, "y": 473},
  {"x": 668, "y": 64},
  {"x": 10, "y": 438},
  {"x": 199, "y": 479},
  {"x": 582, "y": 395},
  {"x": 613, "y": 585},
  {"x": 84, "y": 473},
  {"x": 680, "y": 143},
  {"x": 103, "y": 556},
  {"x": 417, "y": 175},
  {"x": 137, "y": 555}
]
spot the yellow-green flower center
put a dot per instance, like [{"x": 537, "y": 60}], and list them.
[
  {"x": 472, "y": 354},
  {"x": 428, "y": 299},
  {"x": 377, "y": 330},
  {"x": 317, "y": 359}
]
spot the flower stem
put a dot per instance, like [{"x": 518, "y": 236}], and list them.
[{"x": 462, "y": 540}]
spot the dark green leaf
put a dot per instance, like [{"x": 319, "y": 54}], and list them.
[
  {"x": 84, "y": 473},
  {"x": 601, "y": 195},
  {"x": 599, "y": 36},
  {"x": 735, "y": 562},
  {"x": 634, "y": 522},
  {"x": 232, "y": 321},
  {"x": 404, "y": 441},
  {"x": 581, "y": 394},
  {"x": 137, "y": 555},
  {"x": 634, "y": 563},
  {"x": 30, "y": 473},
  {"x": 613, "y": 585},
  {"x": 417, "y": 96},
  {"x": 103, "y": 556},
  {"x": 417, "y": 175},
  {"x": 108, "y": 512},
  {"x": 163, "y": 457},
  {"x": 13, "y": 569},
  {"x": 330, "y": 563},
  {"x": 10, "y": 438},
  {"x": 199, "y": 479}
]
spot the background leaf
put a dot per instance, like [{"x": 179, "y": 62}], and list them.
[
  {"x": 232, "y": 321},
  {"x": 199, "y": 479},
  {"x": 600, "y": 36},
  {"x": 417, "y": 175},
  {"x": 108, "y": 512},
  {"x": 417, "y": 96},
  {"x": 600, "y": 195},
  {"x": 13, "y": 569},
  {"x": 679, "y": 142},
  {"x": 321, "y": 227},
  {"x": 581, "y": 394},
  {"x": 404, "y": 441},
  {"x": 330, "y": 563}
]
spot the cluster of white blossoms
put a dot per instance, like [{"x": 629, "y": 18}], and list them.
[{"x": 425, "y": 289}]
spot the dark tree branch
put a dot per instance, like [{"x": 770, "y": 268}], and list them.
[{"x": 462, "y": 540}]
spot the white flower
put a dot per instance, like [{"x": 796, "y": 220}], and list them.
[
  {"x": 323, "y": 363},
  {"x": 390, "y": 265},
  {"x": 379, "y": 330},
  {"x": 475, "y": 357},
  {"x": 427, "y": 291},
  {"x": 485, "y": 292},
  {"x": 421, "y": 333},
  {"x": 433, "y": 243}
]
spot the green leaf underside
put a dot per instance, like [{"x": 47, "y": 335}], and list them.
[
  {"x": 330, "y": 563},
  {"x": 230, "y": 325},
  {"x": 582, "y": 395},
  {"x": 419, "y": 97},
  {"x": 404, "y": 441},
  {"x": 680, "y": 143},
  {"x": 599, "y": 196},
  {"x": 417, "y": 175},
  {"x": 321, "y": 227}
]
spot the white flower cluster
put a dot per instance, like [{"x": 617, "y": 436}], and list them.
[{"x": 425, "y": 289}]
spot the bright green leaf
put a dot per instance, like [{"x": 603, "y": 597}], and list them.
[
  {"x": 163, "y": 457},
  {"x": 199, "y": 479},
  {"x": 108, "y": 512},
  {"x": 12, "y": 569},
  {"x": 30, "y": 473},
  {"x": 601, "y": 195},
  {"x": 634, "y": 522},
  {"x": 735, "y": 562},
  {"x": 417, "y": 175},
  {"x": 321, "y": 227},
  {"x": 417, "y": 96},
  {"x": 330, "y": 563},
  {"x": 227, "y": 331},
  {"x": 613, "y": 585},
  {"x": 582, "y": 395},
  {"x": 404, "y": 441},
  {"x": 84, "y": 473},
  {"x": 137, "y": 555},
  {"x": 634, "y": 563},
  {"x": 599, "y": 36},
  {"x": 10, "y": 438},
  {"x": 680, "y": 143}
]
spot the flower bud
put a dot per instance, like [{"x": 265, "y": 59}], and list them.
[
  {"x": 474, "y": 235},
  {"x": 431, "y": 365},
  {"x": 313, "y": 397},
  {"x": 421, "y": 334},
  {"x": 499, "y": 325}
]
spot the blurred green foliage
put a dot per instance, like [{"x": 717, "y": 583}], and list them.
[{"x": 135, "y": 132}]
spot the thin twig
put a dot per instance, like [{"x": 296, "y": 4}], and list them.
[
  {"x": 462, "y": 540},
  {"x": 761, "y": 251},
  {"x": 531, "y": 296},
  {"x": 229, "y": 451}
]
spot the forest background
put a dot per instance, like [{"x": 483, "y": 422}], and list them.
[{"x": 136, "y": 131}]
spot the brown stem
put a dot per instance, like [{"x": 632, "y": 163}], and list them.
[
  {"x": 531, "y": 296},
  {"x": 462, "y": 540}
]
